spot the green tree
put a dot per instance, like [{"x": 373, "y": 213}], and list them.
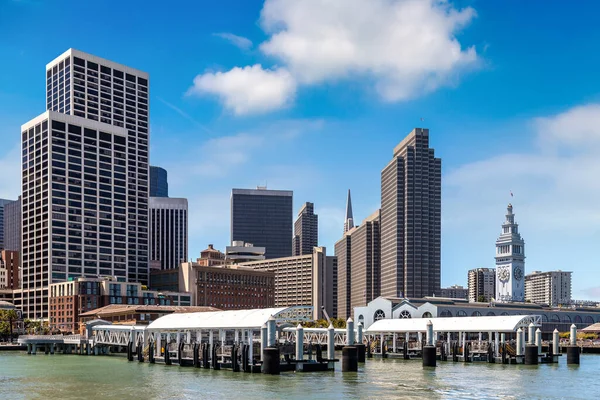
[
  {"x": 481, "y": 298},
  {"x": 7, "y": 318}
]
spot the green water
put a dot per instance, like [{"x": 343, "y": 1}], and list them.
[{"x": 87, "y": 377}]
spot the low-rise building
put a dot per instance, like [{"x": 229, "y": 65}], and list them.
[
  {"x": 68, "y": 300},
  {"x": 307, "y": 280},
  {"x": 482, "y": 284},
  {"x": 551, "y": 288},
  {"x": 211, "y": 257},
  {"x": 240, "y": 252},
  {"x": 455, "y": 292}
]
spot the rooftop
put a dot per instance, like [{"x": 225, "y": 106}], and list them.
[{"x": 121, "y": 309}]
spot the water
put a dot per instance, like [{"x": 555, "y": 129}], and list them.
[{"x": 75, "y": 377}]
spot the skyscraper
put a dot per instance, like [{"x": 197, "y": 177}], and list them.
[
  {"x": 306, "y": 230},
  {"x": 91, "y": 147},
  {"x": 264, "y": 218},
  {"x": 168, "y": 231},
  {"x": 411, "y": 219},
  {"x": 348, "y": 220},
  {"x": 12, "y": 225},
  {"x": 552, "y": 287},
  {"x": 159, "y": 185},
  {"x": 343, "y": 252},
  {"x": 482, "y": 284},
  {"x": 510, "y": 261},
  {"x": 3, "y": 203}
]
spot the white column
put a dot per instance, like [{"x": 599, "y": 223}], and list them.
[
  {"x": 188, "y": 338},
  {"x": 236, "y": 336},
  {"x": 406, "y": 336},
  {"x": 350, "y": 332},
  {"x": 531, "y": 334},
  {"x": 496, "y": 346},
  {"x": 359, "y": 330},
  {"x": 264, "y": 339},
  {"x": 429, "y": 333},
  {"x": 519, "y": 342},
  {"x": 178, "y": 339},
  {"x": 420, "y": 336},
  {"x": 480, "y": 337},
  {"x": 271, "y": 328},
  {"x": 299, "y": 342},
  {"x": 251, "y": 348},
  {"x": 538, "y": 340},
  {"x": 210, "y": 339},
  {"x": 573, "y": 337},
  {"x": 394, "y": 343},
  {"x": 555, "y": 340},
  {"x": 158, "y": 340},
  {"x": 330, "y": 342},
  {"x": 464, "y": 341},
  {"x": 199, "y": 336}
]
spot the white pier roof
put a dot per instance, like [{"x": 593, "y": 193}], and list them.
[
  {"x": 232, "y": 319},
  {"x": 504, "y": 323}
]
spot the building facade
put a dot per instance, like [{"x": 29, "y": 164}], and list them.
[
  {"x": 229, "y": 287},
  {"x": 211, "y": 257},
  {"x": 240, "y": 252},
  {"x": 510, "y": 261},
  {"x": 168, "y": 231},
  {"x": 85, "y": 178},
  {"x": 455, "y": 292},
  {"x": 482, "y": 284},
  {"x": 302, "y": 281},
  {"x": 3, "y": 203},
  {"x": 12, "y": 225},
  {"x": 343, "y": 252},
  {"x": 263, "y": 217},
  {"x": 411, "y": 219},
  {"x": 159, "y": 185},
  {"x": 306, "y": 230},
  {"x": 552, "y": 288},
  {"x": 10, "y": 269}
]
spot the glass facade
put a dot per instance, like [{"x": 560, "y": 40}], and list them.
[{"x": 159, "y": 186}]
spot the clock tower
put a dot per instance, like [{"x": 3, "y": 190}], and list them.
[{"x": 510, "y": 261}]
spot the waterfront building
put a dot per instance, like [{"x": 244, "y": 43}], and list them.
[
  {"x": 482, "y": 284},
  {"x": 552, "y": 288},
  {"x": 349, "y": 219},
  {"x": 343, "y": 252},
  {"x": 228, "y": 287},
  {"x": 240, "y": 252},
  {"x": 168, "y": 231},
  {"x": 306, "y": 230},
  {"x": 454, "y": 292},
  {"x": 68, "y": 300},
  {"x": 159, "y": 185},
  {"x": 91, "y": 147},
  {"x": 307, "y": 280},
  {"x": 432, "y": 307},
  {"x": 411, "y": 219},
  {"x": 10, "y": 269},
  {"x": 263, "y": 217},
  {"x": 510, "y": 261},
  {"x": 12, "y": 225},
  {"x": 210, "y": 257}
]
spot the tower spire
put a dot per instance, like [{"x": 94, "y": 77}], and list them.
[{"x": 349, "y": 220}]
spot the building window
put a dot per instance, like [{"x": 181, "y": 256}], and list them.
[
  {"x": 405, "y": 314},
  {"x": 379, "y": 314}
]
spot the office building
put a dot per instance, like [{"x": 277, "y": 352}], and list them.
[
  {"x": 159, "y": 185},
  {"x": 306, "y": 230},
  {"x": 91, "y": 146},
  {"x": 68, "y": 300},
  {"x": 12, "y": 225},
  {"x": 263, "y": 217},
  {"x": 510, "y": 261},
  {"x": 366, "y": 267},
  {"x": 482, "y": 284},
  {"x": 552, "y": 288},
  {"x": 3, "y": 203},
  {"x": 348, "y": 219},
  {"x": 168, "y": 231},
  {"x": 228, "y": 288},
  {"x": 211, "y": 257},
  {"x": 9, "y": 269},
  {"x": 302, "y": 281},
  {"x": 240, "y": 252},
  {"x": 411, "y": 219},
  {"x": 455, "y": 292},
  {"x": 343, "y": 252}
]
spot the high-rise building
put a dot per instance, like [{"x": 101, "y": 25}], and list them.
[
  {"x": 302, "y": 280},
  {"x": 168, "y": 231},
  {"x": 348, "y": 220},
  {"x": 366, "y": 267},
  {"x": 343, "y": 252},
  {"x": 9, "y": 269},
  {"x": 411, "y": 219},
  {"x": 91, "y": 146},
  {"x": 454, "y": 292},
  {"x": 510, "y": 261},
  {"x": 3, "y": 203},
  {"x": 159, "y": 185},
  {"x": 264, "y": 218},
  {"x": 306, "y": 230},
  {"x": 482, "y": 284},
  {"x": 552, "y": 288},
  {"x": 12, "y": 225}
]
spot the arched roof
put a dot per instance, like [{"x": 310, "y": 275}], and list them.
[
  {"x": 505, "y": 323},
  {"x": 232, "y": 319},
  {"x": 6, "y": 305}
]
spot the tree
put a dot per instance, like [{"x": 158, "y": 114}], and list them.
[
  {"x": 7, "y": 317},
  {"x": 481, "y": 298}
]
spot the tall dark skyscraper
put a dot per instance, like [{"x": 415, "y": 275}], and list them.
[
  {"x": 168, "y": 231},
  {"x": 411, "y": 219},
  {"x": 306, "y": 230},
  {"x": 159, "y": 185},
  {"x": 264, "y": 218},
  {"x": 12, "y": 225},
  {"x": 3, "y": 203}
]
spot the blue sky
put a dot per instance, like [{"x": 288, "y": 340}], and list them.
[{"x": 312, "y": 96}]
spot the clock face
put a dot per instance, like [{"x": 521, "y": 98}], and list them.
[
  {"x": 504, "y": 274},
  {"x": 518, "y": 273}
]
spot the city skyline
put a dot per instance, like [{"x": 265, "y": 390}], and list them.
[{"x": 501, "y": 124}]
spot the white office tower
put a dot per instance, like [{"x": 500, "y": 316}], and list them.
[
  {"x": 168, "y": 231},
  {"x": 510, "y": 261},
  {"x": 85, "y": 178}
]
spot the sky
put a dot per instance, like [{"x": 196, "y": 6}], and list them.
[{"x": 312, "y": 96}]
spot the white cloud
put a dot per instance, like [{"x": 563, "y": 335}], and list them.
[
  {"x": 248, "y": 90},
  {"x": 578, "y": 127},
  {"x": 238, "y": 41}
]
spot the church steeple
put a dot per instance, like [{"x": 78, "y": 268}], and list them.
[
  {"x": 348, "y": 220},
  {"x": 510, "y": 261}
]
